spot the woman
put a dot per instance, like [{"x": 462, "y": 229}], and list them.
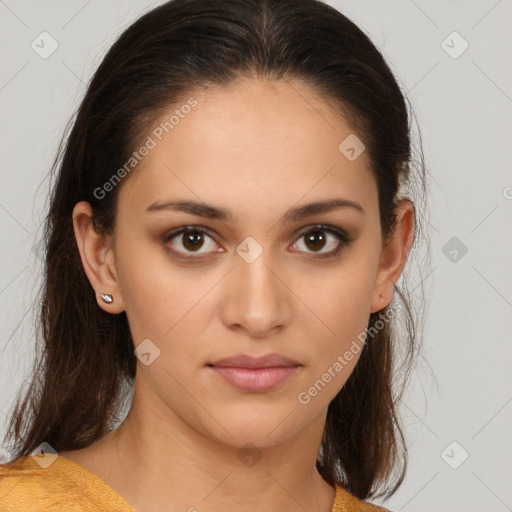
[{"x": 225, "y": 236}]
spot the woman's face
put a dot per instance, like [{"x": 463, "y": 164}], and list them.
[{"x": 257, "y": 279}]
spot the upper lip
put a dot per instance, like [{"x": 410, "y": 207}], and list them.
[{"x": 248, "y": 361}]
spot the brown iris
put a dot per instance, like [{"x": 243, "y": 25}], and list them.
[
  {"x": 316, "y": 238},
  {"x": 192, "y": 240}
]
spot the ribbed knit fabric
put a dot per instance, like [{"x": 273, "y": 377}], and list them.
[{"x": 66, "y": 486}]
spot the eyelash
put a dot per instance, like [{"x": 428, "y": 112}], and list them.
[{"x": 341, "y": 235}]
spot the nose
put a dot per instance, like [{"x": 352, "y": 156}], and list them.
[{"x": 257, "y": 298}]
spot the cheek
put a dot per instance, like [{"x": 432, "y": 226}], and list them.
[
  {"x": 334, "y": 318},
  {"x": 337, "y": 301},
  {"x": 156, "y": 294}
]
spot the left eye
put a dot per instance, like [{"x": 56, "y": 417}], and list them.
[{"x": 316, "y": 238}]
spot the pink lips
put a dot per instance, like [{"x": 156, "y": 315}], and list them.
[{"x": 255, "y": 374}]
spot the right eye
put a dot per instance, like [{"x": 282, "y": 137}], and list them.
[{"x": 188, "y": 240}]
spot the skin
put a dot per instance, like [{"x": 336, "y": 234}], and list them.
[{"x": 257, "y": 148}]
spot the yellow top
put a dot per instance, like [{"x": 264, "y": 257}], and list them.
[{"x": 66, "y": 486}]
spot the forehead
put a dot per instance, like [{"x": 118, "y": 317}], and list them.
[{"x": 252, "y": 144}]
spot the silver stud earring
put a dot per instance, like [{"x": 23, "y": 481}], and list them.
[{"x": 107, "y": 298}]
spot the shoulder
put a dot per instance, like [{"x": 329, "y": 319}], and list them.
[
  {"x": 26, "y": 485},
  {"x": 344, "y": 501}
]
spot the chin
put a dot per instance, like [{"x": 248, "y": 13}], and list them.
[{"x": 258, "y": 426}]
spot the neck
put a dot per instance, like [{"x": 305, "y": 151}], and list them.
[{"x": 161, "y": 460}]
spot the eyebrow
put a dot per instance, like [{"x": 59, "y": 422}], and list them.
[{"x": 293, "y": 215}]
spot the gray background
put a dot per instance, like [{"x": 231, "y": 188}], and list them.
[{"x": 459, "y": 401}]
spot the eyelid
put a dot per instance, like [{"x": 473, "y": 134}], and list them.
[{"x": 325, "y": 227}]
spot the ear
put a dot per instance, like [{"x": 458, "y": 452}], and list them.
[
  {"x": 394, "y": 255},
  {"x": 97, "y": 258}
]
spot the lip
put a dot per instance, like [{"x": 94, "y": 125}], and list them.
[
  {"x": 255, "y": 374},
  {"x": 255, "y": 380},
  {"x": 248, "y": 361}
]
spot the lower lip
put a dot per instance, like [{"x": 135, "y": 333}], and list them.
[{"x": 255, "y": 380}]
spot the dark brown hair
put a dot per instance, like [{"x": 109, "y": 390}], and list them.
[{"x": 87, "y": 355}]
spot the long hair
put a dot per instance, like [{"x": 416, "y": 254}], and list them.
[{"x": 86, "y": 357}]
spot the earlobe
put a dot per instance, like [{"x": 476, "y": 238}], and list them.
[
  {"x": 394, "y": 255},
  {"x": 381, "y": 303},
  {"x": 97, "y": 259}
]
